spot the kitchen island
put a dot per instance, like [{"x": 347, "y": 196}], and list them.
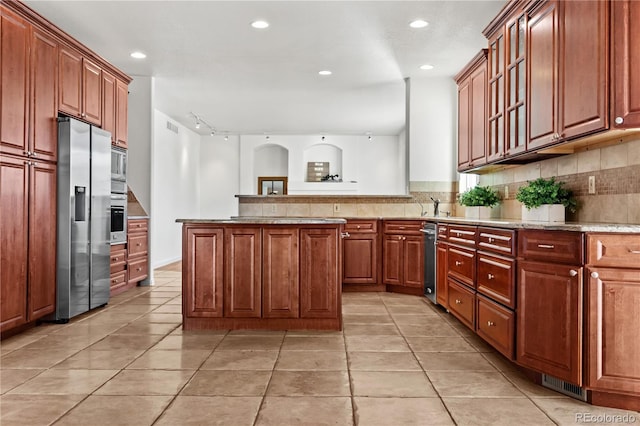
[{"x": 261, "y": 273}]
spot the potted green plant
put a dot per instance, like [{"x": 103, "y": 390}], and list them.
[
  {"x": 545, "y": 200},
  {"x": 479, "y": 202}
]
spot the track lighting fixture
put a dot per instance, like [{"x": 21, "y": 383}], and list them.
[
  {"x": 369, "y": 136},
  {"x": 267, "y": 138},
  {"x": 200, "y": 122},
  {"x": 322, "y": 138},
  {"x": 226, "y": 137}
]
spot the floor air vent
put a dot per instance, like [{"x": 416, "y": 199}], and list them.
[{"x": 563, "y": 387}]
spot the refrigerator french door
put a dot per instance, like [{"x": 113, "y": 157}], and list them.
[{"x": 84, "y": 214}]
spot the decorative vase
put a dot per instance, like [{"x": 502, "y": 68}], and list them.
[
  {"x": 481, "y": 212},
  {"x": 544, "y": 213}
]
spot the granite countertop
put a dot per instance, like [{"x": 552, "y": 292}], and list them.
[
  {"x": 553, "y": 226},
  {"x": 270, "y": 220}
]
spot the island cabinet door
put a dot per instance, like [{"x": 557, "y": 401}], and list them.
[
  {"x": 242, "y": 273},
  {"x": 202, "y": 273},
  {"x": 280, "y": 273},
  {"x": 393, "y": 255},
  {"x": 319, "y": 273}
]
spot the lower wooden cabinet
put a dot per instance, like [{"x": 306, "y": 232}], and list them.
[
  {"x": 496, "y": 325},
  {"x": 403, "y": 254},
  {"x": 360, "y": 259},
  {"x": 442, "y": 286},
  {"x": 613, "y": 327},
  {"x": 137, "y": 250},
  {"x": 549, "y": 319},
  {"x": 28, "y": 228},
  {"x": 462, "y": 303},
  {"x": 119, "y": 276},
  {"x": 261, "y": 277}
]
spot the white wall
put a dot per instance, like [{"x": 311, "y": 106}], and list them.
[
  {"x": 219, "y": 176},
  {"x": 175, "y": 186},
  {"x": 271, "y": 160},
  {"x": 377, "y": 165},
  {"x": 433, "y": 129},
  {"x": 140, "y": 137}
]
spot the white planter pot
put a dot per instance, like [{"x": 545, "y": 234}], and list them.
[
  {"x": 544, "y": 213},
  {"x": 481, "y": 212}
]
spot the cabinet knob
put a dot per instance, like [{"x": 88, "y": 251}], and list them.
[
  {"x": 490, "y": 276},
  {"x": 138, "y": 244},
  {"x": 619, "y": 120},
  {"x": 358, "y": 227},
  {"x": 139, "y": 269},
  {"x": 595, "y": 275},
  {"x": 458, "y": 263},
  {"x": 573, "y": 273},
  {"x": 83, "y": 114},
  {"x": 634, "y": 251},
  {"x": 345, "y": 235},
  {"x": 458, "y": 301},
  {"x": 116, "y": 259},
  {"x": 491, "y": 323},
  {"x": 491, "y": 240}
]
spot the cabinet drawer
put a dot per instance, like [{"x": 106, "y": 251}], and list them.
[
  {"x": 443, "y": 232},
  {"x": 501, "y": 241},
  {"x": 496, "y": 278},
  {"x": 461, "y": 264},
  {"x": 403, "y": 226},
  {"x": 137, "y": 244},
  {"x": 138, "y": 269},
  {"x": 462, "y": 303},
  {"x": 137, "y": 225},
  {"x": 118, "y": 279},
  {"x": 368, "y": 226},
  {"x": 118, "y": 259},
  {"x": 615, "y": 250},
  {"x": 496, "y": 325},
  {"x": 554, "y": 246},
  {"x": 463, "y": 234}
]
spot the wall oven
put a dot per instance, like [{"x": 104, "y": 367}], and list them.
[
  {"x": 118, "y": 218},
  {"x": 118, "y": 170}
]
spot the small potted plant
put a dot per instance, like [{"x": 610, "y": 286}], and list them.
[
  {"x": 479, "y": 202},
  {"x": 545, "y": 200}
]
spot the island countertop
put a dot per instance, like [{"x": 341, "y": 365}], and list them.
[
  {"x": 268, "y": 221},
  {"x": 630, "y": 228}
]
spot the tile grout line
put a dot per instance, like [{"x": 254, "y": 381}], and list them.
[
  {"x": 264, "y": 396},
  {"x": 421, "y": 367}
]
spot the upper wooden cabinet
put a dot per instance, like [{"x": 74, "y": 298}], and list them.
[
  {"x": 28, "y": 97},
  {"x": 567, "y": 70},
  {"x": 472, "y": 113},
  {"x": 122, "y": 125},
  {"x": 109, "y": 104},
  {"x": 625, "y": 64},
  {"x": 80, "y": 87}
]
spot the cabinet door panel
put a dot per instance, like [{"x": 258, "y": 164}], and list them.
[
  {"x": 613, "y": 324},
  {"x": 109, "y": 104},
  {"x": 91, "y": 92},
  {"x": 479, "y": 116},
  {"x": 626, "y": 57},
  {"x": 542, "y": 76},
  {"x": 242, "y": 277},
  {"x": 464, "y": 124},
  {"x": 14, "y": 207},
  {"x": 122, "y": 99},
  {"x": 462, "y": 303},
  {"x": 44, "y": 96},
  {"x": 549, "y": 318},
  {"x": 583, "y": 79},
  {"x": 14, "y": 91},
  {"x": 496, "y": 325},
  {"x": 462, "y": 264},
  {"x": 441, "y": 275},
  {"x": 360, "y": 259},
  {"x": 413, "y": 262},
  {"x": 319, "y": 273},
  {"x": 203, "y": 272},
  {"x": 42, "y": 240},
  {"x": 70, "y": 87},
  {"x": 496, "y": 278},
  {"x": 280, "y": 275},
  {"x": 393, "y": 253}
]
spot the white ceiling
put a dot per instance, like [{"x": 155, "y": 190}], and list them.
[{"x": 206, "y": 57}]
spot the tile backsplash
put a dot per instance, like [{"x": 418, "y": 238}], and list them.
[{"x": 616, "y": 170}]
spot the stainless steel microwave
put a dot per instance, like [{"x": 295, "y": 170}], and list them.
[{"x": 118, "y": 164}]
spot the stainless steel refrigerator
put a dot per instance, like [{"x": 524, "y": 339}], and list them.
[{"x": 84, "y": 202}]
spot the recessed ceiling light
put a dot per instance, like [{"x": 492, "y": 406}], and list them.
[
  {"x": 419, "y": 23},
  {"x": 426, "y": 67},
  {"x": 260, "y": 24},
  {"x": 138, "y": 55},
  {"x": 325, "y": 72}
]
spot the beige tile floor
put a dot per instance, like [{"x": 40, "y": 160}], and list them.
[{"x": 399, "y": 361}]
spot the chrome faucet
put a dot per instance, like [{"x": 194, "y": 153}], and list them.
[{"x": 436, "y": 203}]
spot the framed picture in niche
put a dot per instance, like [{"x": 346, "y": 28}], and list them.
[{"x": 272, "y": 185}]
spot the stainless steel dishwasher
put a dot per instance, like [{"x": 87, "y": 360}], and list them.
[{"x": 429, "y": 231}]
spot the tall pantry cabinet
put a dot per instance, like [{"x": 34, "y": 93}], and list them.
[{"x": 32, "y": 84}]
